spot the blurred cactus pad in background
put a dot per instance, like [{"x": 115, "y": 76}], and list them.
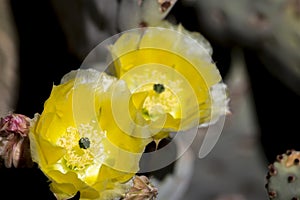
[
  {"x": 270, "y": 27},
  {"x": 283, "y": 177}
]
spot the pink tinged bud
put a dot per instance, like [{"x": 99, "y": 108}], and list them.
[
  {"x": 14, "y": 141},
  {"x": 15, "y": 123}
]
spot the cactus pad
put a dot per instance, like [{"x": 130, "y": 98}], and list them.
[{"x": 283, "y": 179}]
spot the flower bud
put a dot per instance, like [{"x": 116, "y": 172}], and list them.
[
  {"x": 15, "y": 123},
  {"x": 14, "y": 141}
]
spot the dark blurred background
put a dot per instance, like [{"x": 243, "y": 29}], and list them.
[{"x": 53, "y": 37}]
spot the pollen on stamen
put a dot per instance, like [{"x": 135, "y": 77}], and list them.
[
  {"x": 83, "y": 146},
  {"x": 167, "y": 101}
]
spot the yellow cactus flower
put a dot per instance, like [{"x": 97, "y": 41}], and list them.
[
  {"x": 171, "y": 74},
  {"x": 77, "y": 143}
]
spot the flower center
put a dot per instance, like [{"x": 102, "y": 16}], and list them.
[
  {"x": 164, "y": 101},
  {"x": 162, "y": 88},
  {"x": 83, "y": 146}
]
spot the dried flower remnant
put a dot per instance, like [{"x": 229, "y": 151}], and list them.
[
  {"x": 142, "y": 189},
  {"x": 14, "y": 141},
  {"x": 165, "y": 4}
]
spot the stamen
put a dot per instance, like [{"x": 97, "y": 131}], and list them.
[{"x": 83, "y": 146}]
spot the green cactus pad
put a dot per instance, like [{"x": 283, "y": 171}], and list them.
[{"x": 283, "y": 179}]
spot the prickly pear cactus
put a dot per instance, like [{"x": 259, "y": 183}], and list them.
[
  {"x": 283, "y": 179},
  {"x": 271, "y": 27}
]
